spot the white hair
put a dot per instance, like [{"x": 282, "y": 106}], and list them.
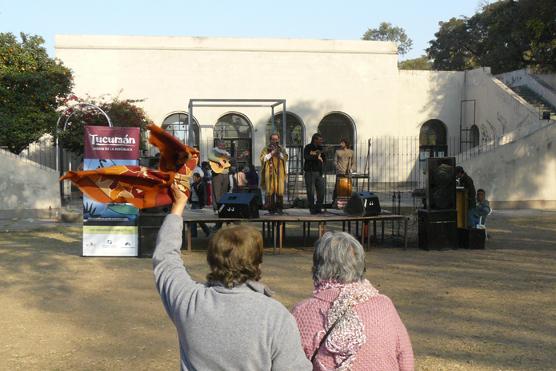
[{"x": 338, "y": 256}]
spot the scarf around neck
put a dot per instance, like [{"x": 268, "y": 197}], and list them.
[{"x": 349, "y": 334}]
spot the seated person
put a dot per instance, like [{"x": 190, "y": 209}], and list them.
[
  {"x": 230, "y": 322},
  {"x": 480, "y": 212},
  {"x": 347, "y": 324}
]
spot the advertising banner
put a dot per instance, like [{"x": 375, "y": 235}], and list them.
[{"x": 110, "y": 229}]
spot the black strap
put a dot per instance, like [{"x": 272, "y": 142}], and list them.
[{"x": 326, "y": 336}]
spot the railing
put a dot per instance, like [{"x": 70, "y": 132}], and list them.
[{"x": 43, "y": 154}]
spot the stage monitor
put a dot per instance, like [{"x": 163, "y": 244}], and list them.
[
  {"x": 363, "y": 204},
  {"x": 238, "y": 205}
]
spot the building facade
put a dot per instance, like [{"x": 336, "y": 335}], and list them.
[{"x": 350, "y": 89}]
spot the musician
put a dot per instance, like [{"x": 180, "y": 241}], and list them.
[
  {"x": 313, "y": 167},
  {"x": 343, "y": 160},
  {"x": 273, "y": 173},
  {"x": 219, "y": 160}
]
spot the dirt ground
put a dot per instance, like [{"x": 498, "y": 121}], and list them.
[{"x": 492, "y": 309}]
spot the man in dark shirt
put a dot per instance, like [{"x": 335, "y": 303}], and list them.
[
  {"x": 466, "y": 182},
  {"x": 313, "y": 167}
]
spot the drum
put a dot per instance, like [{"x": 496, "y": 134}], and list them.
[{"x": 344, "y": 187}]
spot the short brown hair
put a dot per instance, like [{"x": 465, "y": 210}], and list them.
[
  {"x": 346, "y": 141},
  {"x": 234, "y": 255}
]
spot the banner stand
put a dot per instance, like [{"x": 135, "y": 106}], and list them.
[{"x": 110, "y": 229}]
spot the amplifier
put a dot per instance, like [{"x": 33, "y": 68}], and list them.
[
  {"x": 363, "y": 204},
  {"x": 238, "y": 205}
]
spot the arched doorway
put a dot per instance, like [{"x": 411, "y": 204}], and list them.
[
  {"x": 433, "y": 140},
  {"x": 474, "y": 136},
  {"x": 178, "y": 125},
  {"x": 295, "y": 138},
  {"x": 236, "y": 132},
  {"x": 333, "y": 127}
]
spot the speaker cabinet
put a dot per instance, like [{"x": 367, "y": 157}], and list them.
[
  {"x": 437, "y": 229},
  {"x": 238, "y": 205},
  {"x": 149, "y": 222},
  {"x": 471, "y": 238},
  {"x": 363, "y": 204},
  {"x": 441, "y": 183}
]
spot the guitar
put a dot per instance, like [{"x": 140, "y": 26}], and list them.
[{"x": 219, "y": 166}]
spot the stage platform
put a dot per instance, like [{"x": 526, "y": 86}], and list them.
[{"x": 274, "y": 226}]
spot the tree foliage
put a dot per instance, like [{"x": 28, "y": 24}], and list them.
[
  {"x": 421, "y": 63},
  {"x": 31, "y": 87},
  {"x": 506, "y": 35},
  {"x": 387, "y": 32},
  {"x": 122, "y": 113}
]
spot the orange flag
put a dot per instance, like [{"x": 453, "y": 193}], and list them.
[{"x": 138, "y": 185}]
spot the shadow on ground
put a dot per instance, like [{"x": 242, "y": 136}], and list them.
[{"x": 465, "y": 309}]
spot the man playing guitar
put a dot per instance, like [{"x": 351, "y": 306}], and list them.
[{"x": 219, "y": 160}]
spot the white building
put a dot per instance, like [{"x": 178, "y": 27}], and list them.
[{"x": 342, "y": 88}]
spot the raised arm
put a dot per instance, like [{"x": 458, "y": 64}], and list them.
[{"x": 171, "y": 278}]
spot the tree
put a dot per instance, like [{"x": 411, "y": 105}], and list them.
[
  {"x": 31, "y": 87},
  {"x": 421, "y": 63},
  {"x": 387, "y": 32},
  {"x": 506, "y": 35},
  {"x": 453, "y": 48},
  {"x": 122, "y": 113}
]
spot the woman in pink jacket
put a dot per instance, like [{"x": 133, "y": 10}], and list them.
[{"x": 347, "y": 324}]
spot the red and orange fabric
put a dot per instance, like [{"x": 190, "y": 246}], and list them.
[{"x": 138, "y": 185}]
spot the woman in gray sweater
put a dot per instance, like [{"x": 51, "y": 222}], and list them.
[{"x": 230, "y": 322}]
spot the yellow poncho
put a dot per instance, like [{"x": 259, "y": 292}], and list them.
[{"x": 273, "y": 172}]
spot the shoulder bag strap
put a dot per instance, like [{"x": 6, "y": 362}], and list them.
[{"x": 328, "y": 332}]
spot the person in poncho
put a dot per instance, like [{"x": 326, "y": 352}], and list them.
[{"x": 273, "y": 174}]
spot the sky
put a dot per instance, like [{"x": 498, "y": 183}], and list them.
[{"x": 309, "y": 19}]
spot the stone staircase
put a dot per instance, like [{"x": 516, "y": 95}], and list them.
[{"x": 546, "y": 110}]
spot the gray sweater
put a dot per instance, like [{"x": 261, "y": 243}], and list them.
[{"x": 219, "y": 328}]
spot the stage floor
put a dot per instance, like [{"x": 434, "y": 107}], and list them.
[{"x": 274, "y": 227}]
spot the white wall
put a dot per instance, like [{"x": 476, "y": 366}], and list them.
[
  {"x": 522, "y": 77},
  {"x": 316, "y": 77},
  {"x": 426, "y": 95},
  {"x": 521, "y": 173},
  {"x": 26, "y": 185},
  {"x": 499, "y": 111}
]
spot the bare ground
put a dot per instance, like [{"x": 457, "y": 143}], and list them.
[{"x": 492, "y": 309}]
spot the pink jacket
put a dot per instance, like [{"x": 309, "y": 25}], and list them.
[{"x": 387, "y": 346}]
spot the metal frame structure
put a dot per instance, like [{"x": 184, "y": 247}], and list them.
[{"x": 272, "y": 103}]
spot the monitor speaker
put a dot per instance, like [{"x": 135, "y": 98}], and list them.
[
  {"x": 363, "y": 204},
  {"x": 441, "y": 183},
  {"x": 238, "y": 205}
]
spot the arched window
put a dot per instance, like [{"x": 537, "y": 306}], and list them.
[
  {"x": 294, "y": 129},
  {"x": 474, "y": 136},
  {"x": 178, "y": 125},
  {"x": 333, "y": 127},
  {"x": 433, "y": 139},
  {"x": 235, "y": 130}
]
